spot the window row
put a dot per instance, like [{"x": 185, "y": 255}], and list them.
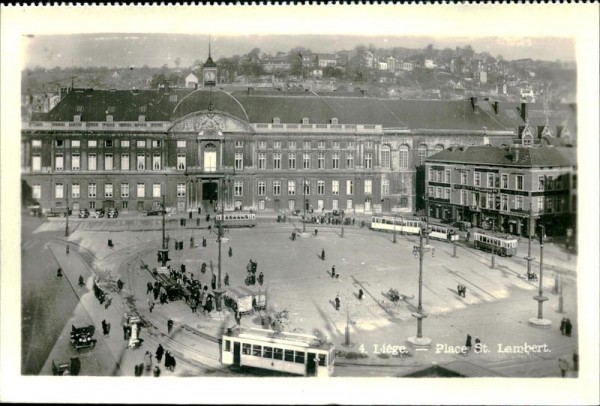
[
  {"x": 60, "y": 143},
  {"x": 492, "y": 201},
  {"x": 109, "y": 162},
  {"x": 255, "y": 350},
  {"x": 92, "y": 190},
  {"x": 495, "y": 180},
  {"x": 318, "y": 189}
]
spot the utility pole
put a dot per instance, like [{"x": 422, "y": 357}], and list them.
[
  {"x": 529, "y": 258},
  {"x": 67, "y": 215},
  {"x": 219, "y": 291},
  {"x": 540, "y": 298},
  {"x": 395, "y": 218},
  {"x": 419, "y": 340},
  {"x": 427, "y": 214},
  {"x": 163, "y": 223},
  {"x": 304, "y": 205}
]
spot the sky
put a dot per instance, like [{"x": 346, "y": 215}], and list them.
[{"x": 155, "y": 50}]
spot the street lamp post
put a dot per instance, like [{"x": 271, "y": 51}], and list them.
[
  {"x": 493, "y": 264},
  {"x": 342, "y": 235},
  {"x": 304, "y": 205},
  {"x": 419, "y": 340},
  {"x": 540, "y": 298},
  {"x": 560, "y": 298}
]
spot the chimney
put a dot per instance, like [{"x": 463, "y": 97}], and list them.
[
  {"x": 515, "y": 156},
  {"x": 473, "y": 102},
  {"x": 496, "y": 107},
  {"x": 524, "y": 111}
]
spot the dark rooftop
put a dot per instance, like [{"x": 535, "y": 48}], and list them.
[{"x": 502, "y": 156}]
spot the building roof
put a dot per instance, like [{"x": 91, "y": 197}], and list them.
[
  {"x": 257, "y": 106},
  {"x": 503, "y": 156}
]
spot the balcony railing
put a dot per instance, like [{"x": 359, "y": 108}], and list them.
[
  {"x": 319, "y": 128},
  {"x": 97, "y": 126}
]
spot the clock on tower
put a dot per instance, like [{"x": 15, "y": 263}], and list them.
[{"x": 209, "y": 71}]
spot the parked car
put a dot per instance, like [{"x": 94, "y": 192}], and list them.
[
  {"x": 98, "y": 213},
  {"x": 84, "y": 213},
  {"x": 113, "y": 213}
]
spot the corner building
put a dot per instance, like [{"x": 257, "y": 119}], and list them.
[{"x": 499, "y": 188}]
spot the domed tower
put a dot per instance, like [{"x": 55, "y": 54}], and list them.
[{"x": 209, "y": 70}]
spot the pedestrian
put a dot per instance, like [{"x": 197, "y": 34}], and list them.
[
  {"x": 167, "y": 360},
  {"x": 568, "y": 327},
  {"x": 203, "y": 267},
  {"x": 148, "y": 287},
  {"x": 322, "y": 254},
  {"x": 433, "y": 252},
  {"x": 468, "y": 343},
  {"x": 190, "y": 215},
  {"x": 564, "y": 366},
  {"x": 360, "y": 294},
  {"x": 81, "y": 282},
  {"x": 159, "y": 353},
  {"x": 230, "y": 252},
  {"x": 148, "y": 360},
  {"x": 563, "y": 324},
  {"x": 207, "y": 218},
  {"x": 125, "y": 319},
  {"x": 226, "y": 279},
  {"x": 172, "y": 362},
  {"x": 238, "y": 318},
  {"x": 337, "y": 302},
  {"x": 156, "y": 292},
  {"x": 197, "y": 221},
  {"x": 209, "y": 229},
  {"x": 193, "y": 305},
  {"x": 199, "y": 210},
  {"x": 138, "y": 369},
  {"x": 59, "y": 273},
  {"x": 261, "y": 278},
  {"x": 105, "y": 328},
  {"x": 352, "y": 220},
  {"x": 156, "y": 371},
  {"x": 293, "y": 236},
  {"x": 204, "y": 241},
  {"x": 316, "y": 232},
  {"x": 575, "y": 361},
  {"x": 333, "y": 272},
  {"x": 67, "y": 250},
  {"x": 477, "y": 344},
  {"x": 108, "y": 303},
  {"x": 120, "y": 284},
  {"x": 213, "y": 282},
  {"x": 150, "y": 304},
  {"x": 169, "y": 326}
]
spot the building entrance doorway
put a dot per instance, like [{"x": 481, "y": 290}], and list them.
[{"x": 210, "y": 195}]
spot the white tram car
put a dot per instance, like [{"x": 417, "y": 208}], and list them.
[
  {"x": 237, "y": 219},
  {"x": 291, "y": 353},
  {"x": 441, "y": 232},
  {"x": 389, "y": 223},
  {"x": 504, "y": 245}
]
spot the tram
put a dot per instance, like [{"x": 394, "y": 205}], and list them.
[
  {"x": 503, "y": 245},
  {"x": 237, "y": 219},
  {"x": 389, "y": 223},
  {"x": 297, "y": 354},
  {"x": 441, "y": 232}
]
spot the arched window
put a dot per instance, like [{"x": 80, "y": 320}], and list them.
[
  {"x": 421, "y": 154},
  {"x": 386, "y": 156},
  {"x": 404, "y": 156},
  {"x": 438, "y": 148}
]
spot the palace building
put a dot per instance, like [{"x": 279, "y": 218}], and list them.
[{"x": 260, "y": 150}]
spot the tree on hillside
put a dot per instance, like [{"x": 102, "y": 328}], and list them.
[{"x": 177, "y": 62}]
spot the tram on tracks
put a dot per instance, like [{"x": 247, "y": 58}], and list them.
[
  {"x": 504, "y": 245},
  {"x": 442, "y": 232},
  {"x": 391, "y": 223},
  {"x": 296, "y": 354},
  {"x": 237, "y": 219}
]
